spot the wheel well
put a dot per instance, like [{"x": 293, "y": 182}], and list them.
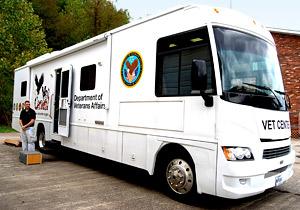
[
  {"x": 40, "y": 128},
  {"x": 172, "y": 149}
]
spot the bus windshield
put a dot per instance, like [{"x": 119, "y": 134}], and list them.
[{"x": 250, "y": 70}]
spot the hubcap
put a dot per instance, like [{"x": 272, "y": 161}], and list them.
[{"x": 179, "y": 176}]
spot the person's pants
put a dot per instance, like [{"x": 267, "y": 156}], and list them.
[{"x": 28, "y": 139}]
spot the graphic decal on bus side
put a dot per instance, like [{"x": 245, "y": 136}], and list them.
[
  {"x": 131, "y": 69},
  {"x": 18, "y": 106},
  {"x": 42, "y": 94}
]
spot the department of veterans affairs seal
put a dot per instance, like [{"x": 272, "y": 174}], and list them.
[{"x": 131, "y": 70}]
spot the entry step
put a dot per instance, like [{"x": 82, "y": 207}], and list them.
[{"x": 30, "y": 158}]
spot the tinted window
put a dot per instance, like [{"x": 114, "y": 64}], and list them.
[
  {"x": 23, "y": 88},
  {"x": 65, "y": 84},
  {"x": 88, "y": 77},
  {"x": 175, "y": 55}
]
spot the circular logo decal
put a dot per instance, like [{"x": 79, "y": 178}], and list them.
[{"x": 131, "y": 70}]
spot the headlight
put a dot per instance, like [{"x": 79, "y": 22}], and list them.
[{"x": 237, "y": 153}]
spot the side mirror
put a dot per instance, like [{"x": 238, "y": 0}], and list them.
[{"x": 199, "y": 81}]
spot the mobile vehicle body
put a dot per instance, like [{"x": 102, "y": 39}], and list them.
[{"x": 203, "y": 96}]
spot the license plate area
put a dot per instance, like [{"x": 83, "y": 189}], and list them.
[{"x": 278, "y": 180}]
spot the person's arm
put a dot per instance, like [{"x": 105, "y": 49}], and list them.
[
  {"x": 21, "y": 124},
  {"x": 29, "y": 124},
  {"x": 20, "y": 121}
]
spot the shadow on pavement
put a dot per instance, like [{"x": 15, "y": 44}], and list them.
[{"x": 142, "y": 178}]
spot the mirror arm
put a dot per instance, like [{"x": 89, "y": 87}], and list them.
[{"x": 208, "y": 100}]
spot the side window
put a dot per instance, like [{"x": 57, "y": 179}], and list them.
[
  {"x": 23, "y": 88},
  {"x": 88, "y": 77},
  {"x": 174, "y": 58}
]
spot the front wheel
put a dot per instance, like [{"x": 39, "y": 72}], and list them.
[{"x": 177, "y": 177}]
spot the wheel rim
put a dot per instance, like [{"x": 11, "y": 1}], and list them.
[
  {"x": 41, "y": 140},
  {"x": 180, "y": 176}
]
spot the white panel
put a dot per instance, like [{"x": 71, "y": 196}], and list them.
[
  {"x": 95, "y": 101},
  {"x": 15, "y": 123},
  {"x": 135, "y": 150},
  {"x": 18, "y": 101},
  {"x": 70, "y": 141},
  {"x": 105, "y": 143},
  {"x": 112, "y": 145},
  {"x": 205, "y": 161},
  {"x": 82, "y": 137},
  {"x": 95, "y": 141},
  {"x": 166, "y": 115},
  {"x": 153, "y": 145},
  {"x": 199, "y": 119}
]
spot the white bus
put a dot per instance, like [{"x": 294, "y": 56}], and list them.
[{"x": 193, "y": 95}]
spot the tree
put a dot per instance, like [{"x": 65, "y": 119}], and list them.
[
  {"x": 48, "y": 11},
  {"x": 72, "y": 23},
  {"x": 103, "y": 16},
  {"x": 21, "y": 39},
  {"x": 68, "y": 22}
]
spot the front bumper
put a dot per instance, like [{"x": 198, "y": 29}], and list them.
[{"x": 243, "y": 179}]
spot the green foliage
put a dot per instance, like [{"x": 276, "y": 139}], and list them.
[
  {"x": 23, "y": 35},
  {"x": 48, "y": 11},
  {"x": 6, "y": 129},
  {"x": 68, "y": 22},
  {"x": 21, "y": 39}
]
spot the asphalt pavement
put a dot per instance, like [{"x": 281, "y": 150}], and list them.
[{"x": 69, "y": 179}]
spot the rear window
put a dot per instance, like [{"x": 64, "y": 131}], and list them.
[{"x": 23, "y": 88}]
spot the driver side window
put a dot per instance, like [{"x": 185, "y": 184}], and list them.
[{"x": 174, "y": 58}]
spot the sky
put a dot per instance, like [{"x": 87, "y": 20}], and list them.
[{"x": 282, "y": 14}]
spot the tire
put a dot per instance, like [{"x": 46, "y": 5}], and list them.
[
  {"x": 177, "y": 177},
  {"x": 41, "y": 141}
]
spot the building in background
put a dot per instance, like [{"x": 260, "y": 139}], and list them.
[{"x": 288, "y": 48}]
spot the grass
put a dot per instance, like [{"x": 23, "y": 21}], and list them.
[{"x": 6, "y": 129}]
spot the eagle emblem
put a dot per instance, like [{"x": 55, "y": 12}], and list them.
[{"x": 131, "y": 70}]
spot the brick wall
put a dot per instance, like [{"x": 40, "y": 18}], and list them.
[{"x": 288, "y": 49}]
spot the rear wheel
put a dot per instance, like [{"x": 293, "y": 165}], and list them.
[{"x": 177, "y": 176}]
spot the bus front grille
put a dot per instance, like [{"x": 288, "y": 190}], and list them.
[{"x": 276, "y": 152}]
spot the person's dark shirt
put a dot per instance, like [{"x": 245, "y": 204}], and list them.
[{"x": 27, "y": 116}]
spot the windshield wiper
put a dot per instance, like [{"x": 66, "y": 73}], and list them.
[
  {"x": 280, "y": 92},
  {"x": 266, "y": 88},
  {"x": 286, "y": 98}
]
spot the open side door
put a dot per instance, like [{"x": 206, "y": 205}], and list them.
[{"x": 65, "y": 101}]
